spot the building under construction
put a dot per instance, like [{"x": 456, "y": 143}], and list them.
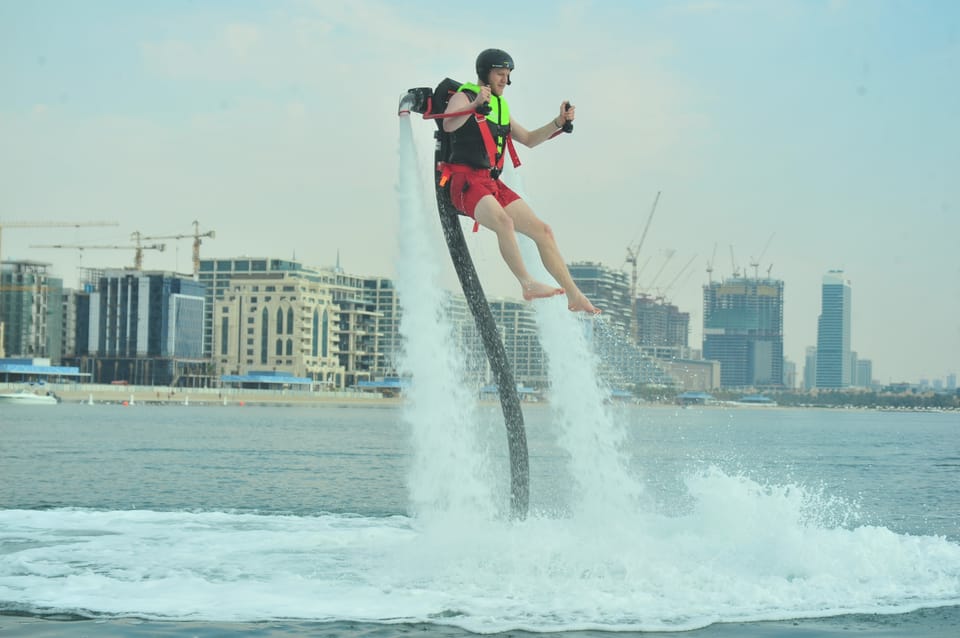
[
  {"x": 608, "y": 288},
  {"x": 660, "y": 326},
  {"x": 30, "y": 299},
  {"x": 743, "y": 330}
]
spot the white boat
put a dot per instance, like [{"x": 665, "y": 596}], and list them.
[
  {"x": 756, "y": 400},
  {"x": 28, "y": 398}
]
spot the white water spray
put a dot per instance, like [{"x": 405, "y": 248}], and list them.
[
  {"x": 449, "y": 470},
  {"x": 587, "y": 430}
]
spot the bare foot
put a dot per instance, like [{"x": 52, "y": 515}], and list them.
[
  {"x": 581, "y": 304},
  {"x": 536, "y": 290}
]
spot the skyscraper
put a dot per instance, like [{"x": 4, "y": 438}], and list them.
[
  {"x": 660, "y": 324},
  {"x": 743, "y": 330},
  {"x": 607, "y": 288},
  {"x": 833, "y": 332},
  {"x": 810, "y": 368}
]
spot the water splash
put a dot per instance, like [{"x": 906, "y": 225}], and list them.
[
  {"x": 586, "y": 429},
  {"x": 449, "y": 471}
]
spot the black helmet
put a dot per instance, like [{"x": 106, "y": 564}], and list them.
[{"x": 493, "y": 59}]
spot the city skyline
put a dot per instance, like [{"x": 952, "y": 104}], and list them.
[{"x": 818, "y": 134}]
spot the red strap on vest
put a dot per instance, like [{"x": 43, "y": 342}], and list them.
[
  {"x": 513, "y": 151},
  {"x": 491, "y": 145},
  {"x": 488, "y": 142}
]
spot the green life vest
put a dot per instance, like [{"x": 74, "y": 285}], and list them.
[{"x": 498, "y": 119}]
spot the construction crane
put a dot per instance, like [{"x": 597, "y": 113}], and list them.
[
  {"x": 26, "y": 224},
  {"x": 138, "y": 259},
  {"x": 47, "y": 225},
  {"x": 632, "y": 253},
  {"x": 710, "y": 265},
  {"x": 197, "y": 235},
  {"x": 733, "y": 264},
  {"x": 756, "y": 262},
  {"x": 669, "y": 286},
  {"x": 670, "y": 252}
]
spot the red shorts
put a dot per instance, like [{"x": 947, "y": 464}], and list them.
[{"x": 468, "y": 188}]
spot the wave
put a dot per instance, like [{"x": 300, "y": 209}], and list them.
[{"x": 740, "y": 551}]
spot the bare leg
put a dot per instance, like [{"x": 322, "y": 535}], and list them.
[
  {"x": 491, "y": 215},
  {"x": 526, "y": 222}
]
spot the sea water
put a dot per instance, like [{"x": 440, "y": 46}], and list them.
[{"x": 297, "y": 515}]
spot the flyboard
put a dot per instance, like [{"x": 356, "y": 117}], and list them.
[{"x": 431, "y": 104}]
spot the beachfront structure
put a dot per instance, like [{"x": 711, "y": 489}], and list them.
[
  {"x": 810, "y": 368},
  {"x": 367, "y": 327},
  {"x": 357, "y": 328},
  {"x": 607, "y": 288},
  {"x": 662, "y": 330},
  {"x": 863, "y": 373},
  {"x": 518, "y": 328},
  {"x": 141, "y": 328},
  {"x": 279, "y": 323},
  {"x": 464, "y": 333},
  {"x": 358, "y": 320},
  {"x": 30, "y": 313},
  {"x": 381, "y": 292},
  {"x": 620, "y": 363},
  {"x": 743, "y": 330},
  {"x": 789, "y": 374},
  {"x": 833, "y": 333},
  {"x": 216, "y": 274}
]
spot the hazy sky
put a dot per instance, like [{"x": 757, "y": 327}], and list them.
[{"x": 826, "y": 132}]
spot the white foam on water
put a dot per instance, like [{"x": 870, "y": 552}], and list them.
[{"x": 741, "y": 551}]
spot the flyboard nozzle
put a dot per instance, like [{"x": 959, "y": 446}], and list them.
[{"x": 416, "y": 100}]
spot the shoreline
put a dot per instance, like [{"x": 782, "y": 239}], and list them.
[
  {"x": 99, "y": 394},
  {"x": 161, "y": 395}
]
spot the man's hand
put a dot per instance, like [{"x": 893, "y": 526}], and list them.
[
  {"x": 482, "y": 98},
  {"x": 568, "y": 112}
]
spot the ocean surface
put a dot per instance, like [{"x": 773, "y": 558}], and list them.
[{"x": 219, "y": 521}]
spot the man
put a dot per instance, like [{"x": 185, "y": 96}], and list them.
[{"x": 475, "y": 187}]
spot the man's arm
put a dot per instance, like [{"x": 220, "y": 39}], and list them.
[
  {"x": 542, "y": 134},
  {"x": 460, "y": 102}
]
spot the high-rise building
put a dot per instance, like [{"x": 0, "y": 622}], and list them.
[
  {"x": 518, "y": 329},
  {"x": 216, "y": 275},
  {"x": 69, "y": 328},
  {"x": 659, "y": 342},
  {"x": 810, "y": 369},
  {"x": 607, "y": 288},
  {"x": 833, "y": 332},
  {"x": 279, "y": 323},
  {"x": 743, "y": 330},
  {"x": 367, "y": 310},
  {"x": 863, "y": 373},
  {"x": 31, "y": 311},
  {"x": 142, "y": 328},
  {"x": 383, "y": 294},
  {"x": 661, "y": 327},
  {"x": 789, "y": 374},
  {"x": 466, "y": 336}
]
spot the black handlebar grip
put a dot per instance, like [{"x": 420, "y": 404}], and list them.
[{"x": 567, "y": 126}]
